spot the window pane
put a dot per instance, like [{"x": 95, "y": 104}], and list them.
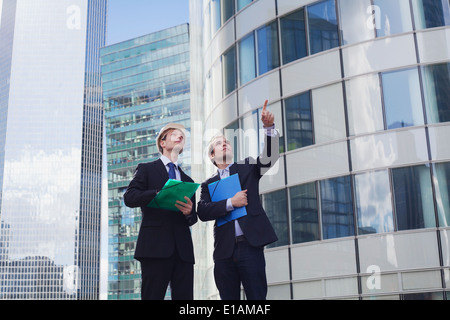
[
  {"x": 276, "y": 209},
  {"x": 229, "y": 71},
  {"x": 293, "y": 36},
  {"x": 215, "y": 15},
  {"x": 431, "y": 13},
  {"x": 442, "y": 185},
  {"x": 394, "y": 17},
  {"x": 413, "y": 198},
  {"x": 299, "y": 131},
  {"x": 247, "y": 64},
  {"x": 268, "y": 57},
  {"x": 373, "y": 202},
  {"x": 436, "y": 84},
  {"x": 402, "y": 99},
  {"x": 337, "y": 208},
  {"x": 323, "y": 30},
  {"x": 249, "y": 139},
  {"x": 242, "y": 3},
  {"x": 354, "y": 21},
  {"x": 304, "y": 214},
  {"x": 328, "y": 108},
  {"x": 227, "y": 10},
  {"x": 365, "y": 112}
]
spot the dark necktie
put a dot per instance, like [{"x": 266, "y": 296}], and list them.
[{"x": 172, "y": 174}]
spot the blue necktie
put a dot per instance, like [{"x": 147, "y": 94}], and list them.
[{"x": 172, "y": 174}]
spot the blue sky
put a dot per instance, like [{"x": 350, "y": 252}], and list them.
[{"x": 133, "y": 18}]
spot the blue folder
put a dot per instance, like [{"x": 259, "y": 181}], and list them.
[{"x": 225, "y": 189}]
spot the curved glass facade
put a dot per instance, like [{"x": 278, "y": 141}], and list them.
[{"x": 359, "y": 198}]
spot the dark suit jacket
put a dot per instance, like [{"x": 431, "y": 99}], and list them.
[
  {"x": 161, "y": 230},
  {"x": 255, "y": 225}
]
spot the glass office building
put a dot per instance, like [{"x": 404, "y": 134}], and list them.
[
  {"x": 145, "y": 86},
  {"x": 51, "y": 133},
  {"x": 360, "y": 90}
]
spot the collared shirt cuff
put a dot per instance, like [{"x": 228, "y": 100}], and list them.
[
  {"x": 229, "y": 205},
  {"x": 270, "y": 131}
]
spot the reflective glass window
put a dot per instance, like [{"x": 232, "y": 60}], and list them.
[
  {"x": 293, "y": 36},
  {"x": 436, "y": 84},
  {"x": 215, "y": 15},
  {"x": 402, "y": 99},
  {"x": 373, "y": 202},
  {"x": 242, "y": 3},
  {"x": 227, "y": 10},
  {"x": 365, "y": 112},
  {"x": 322, "y": 23},
  {"x": 247, "y": 61},
  {"x": 275, "y": 205},
  {"x": 229, "y": 70},
  {"x": 304, "y": 213},
  {"x": 268, "y": 54},
  {"x": 392, "y": 17},
  {"x": 328, "y": 108},
  {"x": 299, "y": 128},
  {"x": 249, "y": 138},
  {"x": 431, "y": 13},
  {"x": 356, "y": 20},
  {"x": 413, "y": 197},
  {"x": 337, "y": 208},
  {"x": 442, "y": 186}
]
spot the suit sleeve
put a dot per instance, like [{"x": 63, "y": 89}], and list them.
[
  {"x": 192, "y": 218},
  {"x": 137, "y": 193},
  {"x": 208, "y": 210}
]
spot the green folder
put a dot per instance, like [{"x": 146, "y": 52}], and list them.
[{"x": 172, "y": 191}]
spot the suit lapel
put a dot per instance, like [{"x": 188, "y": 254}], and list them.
[
  {"x": 161, "y": 169},
  {"x": 233, "y": 169},
  {"x": 184, "y": 176}
]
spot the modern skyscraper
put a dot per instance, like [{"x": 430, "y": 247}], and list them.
[
  {"x": 51, "y": 134},
  {"x": 145, "y": 86},
  {"x": 360, "y": 90}
]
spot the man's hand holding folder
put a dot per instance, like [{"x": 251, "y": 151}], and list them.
[
  {"x": 175, "y": 196},
  {"x": 229, "y": 188},
  {"x": 240, "y": 199}
]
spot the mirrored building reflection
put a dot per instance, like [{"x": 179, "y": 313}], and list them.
[
  {"x": 146, "y": 85},
  {"x": 51, "y": 135},
  {"x": 360, "y": 92}
]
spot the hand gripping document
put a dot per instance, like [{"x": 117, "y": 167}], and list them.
[
  {"x": 225, "y": 189},
  {"x": 172, "y": 191}
]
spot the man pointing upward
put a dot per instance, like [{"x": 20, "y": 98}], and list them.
[{"x": 239, "y": 244}]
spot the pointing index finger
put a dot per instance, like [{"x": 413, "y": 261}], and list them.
[{"x": 265, "y": 105}]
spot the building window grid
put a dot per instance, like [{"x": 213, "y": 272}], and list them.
[
  {"x": 339, "y": 39},
  {"x": 390, "y": 170}
]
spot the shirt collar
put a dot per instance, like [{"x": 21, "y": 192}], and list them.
[
  {"x": 166, "y": 161},
  {"x": 227, "y": 169}
]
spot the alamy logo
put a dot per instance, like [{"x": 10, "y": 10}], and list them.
[
  {"x": 374, "y": 281},
  {"x": 70, "y": 279},
  {"x": 374, "y": 21},
  {"x": 74, "y": 17}
]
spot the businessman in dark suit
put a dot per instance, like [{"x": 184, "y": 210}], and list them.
[
  {"x": 239, "y": 244},
  {"x": 164, "y": 246}
]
